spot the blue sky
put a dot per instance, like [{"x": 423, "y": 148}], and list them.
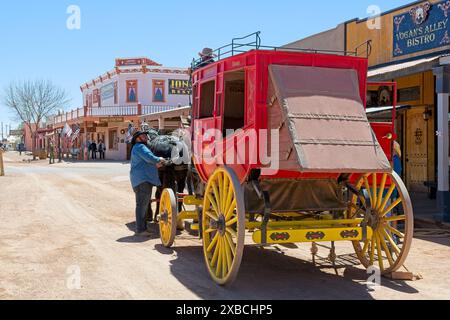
[{"x": 37, "y": 44}]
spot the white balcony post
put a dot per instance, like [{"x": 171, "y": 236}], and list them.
[{"x": 443, "y": 94}]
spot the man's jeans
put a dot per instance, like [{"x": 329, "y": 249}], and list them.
[{"x": 143, "y": 195}]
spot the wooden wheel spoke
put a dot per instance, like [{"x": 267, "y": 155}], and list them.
[
  {"x": 380, "y": 256},
  {"x": 224, "y": 258},
  {"x": 214, "y": 204},
  {"x": 386, "y": 250},
  {"x": 228, "y": 254},
  {"x": 366, "y": 184},
  {"x": 381, "y": 191},
  {"x": 213, "y": 243},
  {"x": 232, "y": 222},
  {"x": 219, "y": 262},
  {"x": 386, "y": 198},
  {"x": 210, "y": 230},
  {"x": 374, "y": 190},
  {"x": 218, "y": 201},
  {"x": 395, "y": 218},
  {"x": 372, "y": 250},
  {"x": 231, "y": 243},
  {"x": 366, "y": 247},
  {"x": 211, "y": 215},
  {"x": 230, "y": 210},
  {"x": 232, "y": 232},
  {"x": 225, "y": 191},
  {"x": 391, "y": 241},
  {"x": 215, "y": 257},
  {"x": 220, "y": 191},
  {"x": 395, "y": 231},
  {"x": 391, "y": 207}
]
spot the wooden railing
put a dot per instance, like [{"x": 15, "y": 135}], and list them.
[{"x": 111, "y": 111}]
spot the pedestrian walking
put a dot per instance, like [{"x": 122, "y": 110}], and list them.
[
  {"x": 144, "y": 176},
  {"x": 94, "y": 150},
  {"x": 52, "y": 152},
  {"x": 101, "y": 150},
  {"x": 88, "y": 148}
]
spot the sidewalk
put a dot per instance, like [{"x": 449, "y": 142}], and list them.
[{"x": 425, "y": 210}]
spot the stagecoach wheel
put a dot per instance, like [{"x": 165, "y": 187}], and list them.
[
  {"x": 390, "y": 215},
  {"x": 223, "y": 222},
  {"x": 168, "y": 212}
]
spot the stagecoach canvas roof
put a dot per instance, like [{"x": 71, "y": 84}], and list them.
[{"x": 328, "y": 127}]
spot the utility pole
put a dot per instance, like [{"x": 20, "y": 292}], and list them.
[
  {"x": 2, "y": 169},
  {"x": 2, "y": 132}
]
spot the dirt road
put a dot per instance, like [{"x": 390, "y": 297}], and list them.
[{"x": 68, "y": 219}]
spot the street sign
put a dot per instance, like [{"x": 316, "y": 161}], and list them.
[{"x": 112, "y": 119}]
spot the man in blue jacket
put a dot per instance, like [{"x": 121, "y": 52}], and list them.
[{"x": 144, "y": 176}]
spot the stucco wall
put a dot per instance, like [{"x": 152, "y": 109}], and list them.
[{"x": 145, "y": 88}]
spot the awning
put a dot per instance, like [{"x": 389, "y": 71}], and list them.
[
  {"x": 376, "y": 110},
  {"x": 404, "y": 69}
]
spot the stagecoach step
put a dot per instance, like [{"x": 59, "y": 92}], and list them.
[{"x": 191, "y": 227}]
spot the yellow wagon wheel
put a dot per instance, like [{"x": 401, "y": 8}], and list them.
[
  {"x": 390, "y": 215},
  {"x": 223, "y": 226},
  {"x": 168, "y": 212}
]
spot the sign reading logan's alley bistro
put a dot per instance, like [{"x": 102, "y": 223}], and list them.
[{"x": 424, "y": 27}]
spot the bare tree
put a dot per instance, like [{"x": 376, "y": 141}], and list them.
[{"x": 33, "y": 101}]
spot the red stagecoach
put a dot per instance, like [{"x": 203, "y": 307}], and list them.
[{"x": 285, "y": 154}]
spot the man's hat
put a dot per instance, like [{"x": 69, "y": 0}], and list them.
[
  {"x": 136, "y": 135},
  {"x": 207, "y": 52}
]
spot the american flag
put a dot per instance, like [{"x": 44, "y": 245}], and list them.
[
  {"x": 67, "y": 131},
  {"x": 76, "y": 134}
]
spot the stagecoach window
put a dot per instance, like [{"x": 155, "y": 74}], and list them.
[
  {"x": 234, "y": 109},
  {"x": 207, "y": 99}
]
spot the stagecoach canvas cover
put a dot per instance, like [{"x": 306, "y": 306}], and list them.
[{"x": 322, "y": 121}]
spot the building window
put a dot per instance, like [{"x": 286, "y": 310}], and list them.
[
  {"x": 113, "y": 143},
  {"x": 96, "y": 96},
  {"x": 159, "y": 90},
  {"x": 132, "y": 91},
  {"x": 409, "y": 94}
]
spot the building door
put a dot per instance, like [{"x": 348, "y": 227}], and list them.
[{"x": 416, "y": 150}]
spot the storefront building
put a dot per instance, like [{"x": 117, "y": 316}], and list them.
[
  {"x": 409, "y": 45},
  {"x": 138, "y": 80},
  {"x": 114, "y": 103}
]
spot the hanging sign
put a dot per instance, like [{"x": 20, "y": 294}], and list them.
[
  {"x": 181, "y": 87},
  {"x": 424, "y": 27}
]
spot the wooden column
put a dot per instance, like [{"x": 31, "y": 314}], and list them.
[
  {"x": 443, "y": 94},
  {"x": 85, "y": 149}
]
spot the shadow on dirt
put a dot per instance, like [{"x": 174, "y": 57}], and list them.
[
  {"x": 152, "y": 228},
  {"x": 270, "y": 274}
]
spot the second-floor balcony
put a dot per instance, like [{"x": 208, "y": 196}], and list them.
[{"x": 109, "y": 111}]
